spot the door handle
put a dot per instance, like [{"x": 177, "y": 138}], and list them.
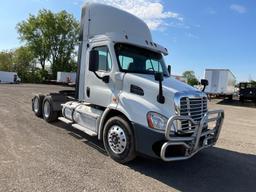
[{"x": 88, "y": 91}]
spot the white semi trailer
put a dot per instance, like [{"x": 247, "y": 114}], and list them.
[
  {"x": 124, "y": 95},
  {"x": 221, "y": 82},
  {"x": 9, "y": 77},
  {"x": 66, "y": 77}
]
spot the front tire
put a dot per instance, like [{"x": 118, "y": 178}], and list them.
[
  {"x": 119, "y": 140},
  {"x": 49, "y": 114}
]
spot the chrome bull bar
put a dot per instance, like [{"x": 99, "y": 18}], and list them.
[{"x": 191, "y": 143}]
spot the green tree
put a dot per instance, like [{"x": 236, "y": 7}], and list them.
[
  {"x": 30, "y": 31},
  {"x": 6, "y": 61},
  {"x": 24, "y": 63},
  {"x": 190, "y": 76},
  {"x": 51, "y": 37}
]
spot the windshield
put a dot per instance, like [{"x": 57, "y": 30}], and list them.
[{"x": 133, "y": 59}]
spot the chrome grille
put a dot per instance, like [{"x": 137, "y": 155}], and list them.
[{"x": 194, "y": 108}]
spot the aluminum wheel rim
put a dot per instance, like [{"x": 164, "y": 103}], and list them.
[
  {"x": 116, "y": 139},
  {"x": 47, "y": 109},
  {"x": 36, "y": 105}
]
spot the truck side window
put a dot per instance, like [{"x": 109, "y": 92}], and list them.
[{"x": 105, "y": 62}]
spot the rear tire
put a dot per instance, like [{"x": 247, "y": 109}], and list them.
[
  {"x": 119, "y": 140},
  {"x": 37, "y": 102},
  {"x": 49, "y": 114}
]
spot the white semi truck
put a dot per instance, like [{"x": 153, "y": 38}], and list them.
[{"x": 125, "y": 97}]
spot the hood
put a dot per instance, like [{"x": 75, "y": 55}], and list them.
[
  {"x": 169, "y": 84},
  {"x": 140, "y": 93}
]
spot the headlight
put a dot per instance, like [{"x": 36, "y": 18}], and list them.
[{"x": 156, "y": 120}]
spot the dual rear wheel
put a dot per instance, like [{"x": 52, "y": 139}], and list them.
[
  {"x": 43, "y": 107},
  {"x": 37, "y": 105}
]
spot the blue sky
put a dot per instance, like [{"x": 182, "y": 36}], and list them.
[{"x": 199, "y": 34}]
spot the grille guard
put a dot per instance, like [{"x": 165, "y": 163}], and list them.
[{"x": 191, "y": 143}]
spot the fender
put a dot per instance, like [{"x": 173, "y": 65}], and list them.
[{"x": 110, "y": 109}]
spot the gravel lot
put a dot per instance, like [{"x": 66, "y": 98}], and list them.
[{"x": 36, "y": 156}]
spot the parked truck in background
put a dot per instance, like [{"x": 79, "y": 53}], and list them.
[
  {"x": 9, "y": 77},
  {"x": 221, "y": 82},
  {"x": 247, "y": 91},
  {"x": 125, "y": 97}
]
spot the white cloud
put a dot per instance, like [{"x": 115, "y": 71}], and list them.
[
  {"x": 150, "y": 11},
  {"x": 238, "y": 8}
]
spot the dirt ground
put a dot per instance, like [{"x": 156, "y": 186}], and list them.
[{"x": 36, "y": 156}]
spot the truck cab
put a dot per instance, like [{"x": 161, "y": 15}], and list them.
[{"x": 125, "y": 96}]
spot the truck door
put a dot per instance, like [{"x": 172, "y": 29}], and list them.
[{"x": 97, "y": 91}]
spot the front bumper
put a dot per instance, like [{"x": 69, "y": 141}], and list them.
[
  {"x": 166, "y": 146},
  {"x": 199, "y": 140}
]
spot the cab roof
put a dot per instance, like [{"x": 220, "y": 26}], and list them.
[{"x": 118, "y": 25}]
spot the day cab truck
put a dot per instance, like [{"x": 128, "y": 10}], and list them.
[{"x": 125, "y": 97}]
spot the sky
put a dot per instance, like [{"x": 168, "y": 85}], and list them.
[{"x": 199, "y": 34}]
